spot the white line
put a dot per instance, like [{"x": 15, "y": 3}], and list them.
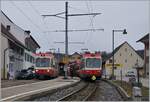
[
  {"x": 26, "y": 84},
  {"x": 21, "y": 85},
  {"x": 4, "y": 99}
]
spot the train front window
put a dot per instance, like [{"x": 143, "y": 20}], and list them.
[
  {"x": 42, "y": 62},
  {"x": 93, "y": 63}
]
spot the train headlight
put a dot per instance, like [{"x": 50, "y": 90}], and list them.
[
  {"x": 36, "y": 70},
  {"x": 48, "y": 70},
  {"x": 33, "y": 71},
  {"x": 98, "y": 71}
]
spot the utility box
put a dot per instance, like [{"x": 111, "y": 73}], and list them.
[{"x": 136, "y": 93}]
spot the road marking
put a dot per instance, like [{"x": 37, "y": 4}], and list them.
[
  {"x": 26, "y": 84},
  {"x": 4, "y": 99}
]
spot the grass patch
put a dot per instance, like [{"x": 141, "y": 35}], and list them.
[
  {"x": 128, "y": 88},
  {"x": 145, "y": 91}
]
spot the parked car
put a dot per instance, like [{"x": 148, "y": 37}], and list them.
[
  {"x": 130, "y": 74},
  {"x": 25, "y": 74},
  {"x": 31, "y": 69}
]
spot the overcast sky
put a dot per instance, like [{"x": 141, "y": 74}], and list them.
[{"x": 130, "y": 15}]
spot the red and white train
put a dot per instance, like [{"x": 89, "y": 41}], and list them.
[
  {"x": 45, "y": 66},
  {"x": 91, "y": 66}
]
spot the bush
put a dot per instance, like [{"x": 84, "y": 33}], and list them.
[{"x": 136, "y": 84}]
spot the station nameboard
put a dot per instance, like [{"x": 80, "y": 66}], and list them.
[{"x": 115, "y": 65}]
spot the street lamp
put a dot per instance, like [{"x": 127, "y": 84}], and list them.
[
  {"x": 138, "y": 76},
  {"x": 113, "y": 31}
]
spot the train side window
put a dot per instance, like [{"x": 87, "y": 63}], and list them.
[
  {"x": 28, "y": 58},
  {"x": 82, "y": 63}
]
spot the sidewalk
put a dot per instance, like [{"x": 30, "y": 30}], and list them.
[{"x": 15, "y": 92}]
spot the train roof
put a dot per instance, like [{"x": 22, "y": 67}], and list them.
[
  {"x": 44, "y": 54},
  {"x": 93, "y": 55}
]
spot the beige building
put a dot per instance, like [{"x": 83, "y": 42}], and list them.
[
  {"x": 74, "y": 57},
  {"x": 126, "y": 57}
]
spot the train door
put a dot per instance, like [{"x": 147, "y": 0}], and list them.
[{"x": 82, "y": 66}]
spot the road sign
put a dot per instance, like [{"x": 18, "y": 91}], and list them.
[
  {"x": 115, "y": 65},
  {"x": 93, "y": 77}
]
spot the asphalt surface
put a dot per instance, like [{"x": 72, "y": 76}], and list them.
[
  {"x": 10, "y": 83},
  {"x": 105, "y": 92}
]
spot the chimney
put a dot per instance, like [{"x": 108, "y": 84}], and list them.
[
  {"x": 8, "y": 27},
  {"x": 28, "y": 31}
]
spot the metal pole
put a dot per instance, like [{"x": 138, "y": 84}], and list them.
[
  {"x": 66, "y": 38},
  {"x": 113, "y": 54}
]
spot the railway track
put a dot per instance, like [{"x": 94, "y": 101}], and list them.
[
  {"x": 82, "y": 94},
  {"x": 83, "y": 91}
]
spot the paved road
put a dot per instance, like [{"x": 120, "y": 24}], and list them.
[{"x": 106, "y": 92}]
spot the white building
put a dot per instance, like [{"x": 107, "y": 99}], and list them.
[
  {"x": 29, "y": 55},
  {"x": 13, "y": 46},
  {"x": 126, "y": 57}
]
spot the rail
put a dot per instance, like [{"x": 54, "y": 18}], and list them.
[{"x": 82, "y": 94}]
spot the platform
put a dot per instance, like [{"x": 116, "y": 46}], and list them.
[{"x": 16, "y": 92}]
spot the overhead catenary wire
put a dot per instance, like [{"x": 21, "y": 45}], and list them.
[
  {"x": 62, "y": 42},
  {"x": 33, "y": 7},
  {"x": 91, "y": 20},
  {"x": 39, "y": 14},
  {"x": 90, "y": 9},
  {"x": 77, "y": 9},
  {"x": 28, "y": 18},
  {"x": 91, "y": 24},
  {"x": 76, "y": 30}
]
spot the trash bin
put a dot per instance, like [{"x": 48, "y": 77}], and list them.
[{"x": 136, "y": 94}]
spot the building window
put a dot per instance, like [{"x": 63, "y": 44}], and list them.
[
  {"x": 126, "y": 60},
  {"x": 120, "y": 54},
  {"x": 136, "y": 60},
  {"x": 125, "y": 49},
  {"x": 25, "y": 55},
  {"x": 110, "y": 60},
  {"x": 131, "y": 54},
  {"x": 31, "y": 59},
  {"x": 28, "y": 58},
  {"x": 147, "y": 73}
]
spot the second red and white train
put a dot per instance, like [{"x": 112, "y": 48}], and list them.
[{"x": 91, "y": 66}]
